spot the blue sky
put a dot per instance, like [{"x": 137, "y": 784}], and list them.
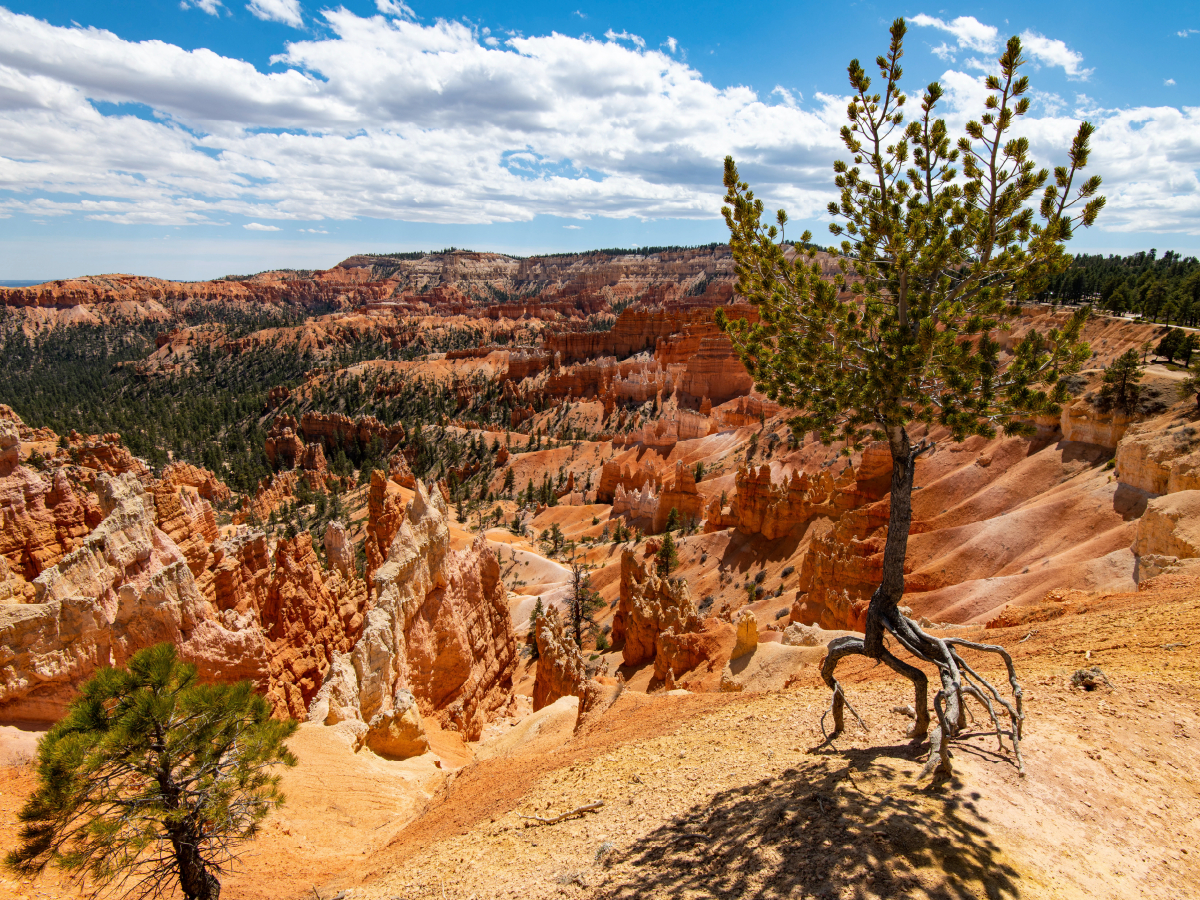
[{"x": 198, "y": 138}]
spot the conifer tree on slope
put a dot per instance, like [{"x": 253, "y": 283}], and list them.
[
  {"x": 152, "y": 778},
  {"x": 939, "y": 244}
]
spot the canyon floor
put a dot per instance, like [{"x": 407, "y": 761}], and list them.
[{"x": 738, "y": 794}]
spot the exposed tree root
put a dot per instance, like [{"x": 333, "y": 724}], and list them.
[{"x": 958, "y": 681}]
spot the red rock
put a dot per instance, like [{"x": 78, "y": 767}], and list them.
[
  {"x": 647, "y": 606},
  {"x": 439, "y": 626},
  {"x": 207, "y": 485},
  {"x": 703, "y": 652},
  {"x": 304, "y": 625},
  {"x": 561, "y": 671}
]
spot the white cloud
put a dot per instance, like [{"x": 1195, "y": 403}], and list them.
[
  {"x": 396, "y": 8},
  {"x": 285, "y": 11},
  {"x": 312, "y": 230},
  {"x": 258, "y": 226},
  {"x": 1170, "y": 82},
  {"x": 212, "y": 7},
  {"x": 970, "y": 33},
  {"x": 1055, "y": 53},
  {"x": 392, "y": 119},
  {"x": 573, "y": 227},
  {"x": 625, "y": 36},
  {"x": 672, "y": 44},
  {"x": 1188, "y": 31},
  {"x": 944, "y": 52},
  {"x": 789, "y": 99}
]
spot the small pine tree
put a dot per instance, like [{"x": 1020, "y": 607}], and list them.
[
  {"x": 539, "y": 610},
  {"x": 672, "y": 520},
  {"x": 1171, "y": 345},
  {"x": 582, "y": 602},
  {"x": 1121, "y": 389},
  {"x": 667, "y": 558},
  {"x": 152, "y": 776}
]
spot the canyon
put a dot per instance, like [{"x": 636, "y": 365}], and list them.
[{"x": 459, "y": 440}]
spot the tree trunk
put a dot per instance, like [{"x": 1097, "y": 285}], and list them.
[
  {"x": 196, "y": 881},
  {"x": 891, "y": 586}
]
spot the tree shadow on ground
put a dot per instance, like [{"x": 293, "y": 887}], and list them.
[{"x": 847, "y": 824}]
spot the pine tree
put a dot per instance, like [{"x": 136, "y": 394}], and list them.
[
  {"x": 1171, "y": 345},
  {"x": 582, "y": 601},
  {"x": 933, "y": 262},
  {"x": 667, "y": 558},
  {"x": 1121, "y": 389},
  {"x": 539, "y": 610},
  {"x": 153, "y": 777},
  {"x": 672, "y": 520}
]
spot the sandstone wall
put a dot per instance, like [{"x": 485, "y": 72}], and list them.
[
  {"x": 126, "y": 587},
  {"x": 1160, "y": 461},
  {"x": 439, "y": 627}
]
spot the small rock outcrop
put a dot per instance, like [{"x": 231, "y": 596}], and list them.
[
  {"x": 398, "y": 733},
  {"x": 561, "y": 671},
  {"x": 649, "y": 605},
  {"x": 1083, "y": 422},
  {"x": 338, "y": 549},
  {"x": 1170, "y": 527},
  {"x": 798, "y": 635},
  {"x": 747, "y": 633},
  {"x": 1161, "y": 461}
]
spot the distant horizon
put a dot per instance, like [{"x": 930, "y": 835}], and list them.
[{"x": 28, "y": 282}]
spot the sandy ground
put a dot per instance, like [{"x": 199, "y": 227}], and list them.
[{"x": 728, "y": 795}]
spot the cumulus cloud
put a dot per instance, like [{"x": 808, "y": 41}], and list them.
[
  {"x": 258, "y": 226},
  {"x": 389, "y": 118},
  {"x": 285, "y": 11},
  {"x": 944, "y": 52},
  {"x": 1055, "y": 53},
  {"x": 969, "y": 32},
  {"x": 974, "y": 36},
  {"x": 573, "y": 227},
  {"x": 788, "y": 98},
  {"x": 1170, "y": 82}
]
